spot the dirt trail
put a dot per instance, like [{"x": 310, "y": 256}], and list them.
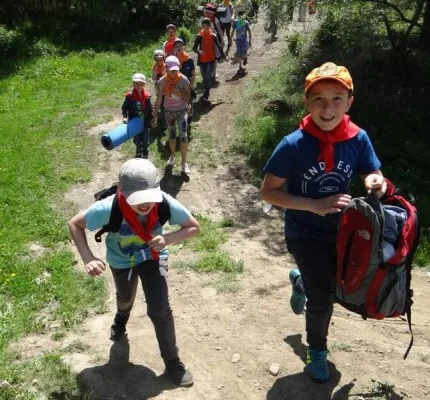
[{"x": 255, "y": 322}]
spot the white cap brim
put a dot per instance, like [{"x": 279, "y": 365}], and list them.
[
  {"x": 144, "y": 196},
  {"x": 174, "y": 68}
]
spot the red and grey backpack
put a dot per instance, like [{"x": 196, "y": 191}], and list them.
[{"x": 365, "y": 283}]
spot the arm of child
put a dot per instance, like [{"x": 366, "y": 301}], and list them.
[
  {"x": 124, "y": 109},
  {"x": 150, "y": 110},
  {"x": 272, "y": 191},
  {"x": 188, "y": 229},
  {"x": 233, "y": 29},
  {"x": 250, "y": 36},
  {"x": 219, "y": 31},
  {"x": 197, "y": 45},
  {"x": 192, "y": 77},
  {"x": 375, "y": 181},
  {"x": 157, "y": 105},
  {"x": 93, "y": 265},
  {"x": 154, "y": 74}
]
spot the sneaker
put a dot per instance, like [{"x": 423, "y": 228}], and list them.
[
  {"x": 118, "y": 329},
  {"x": 178, "y": 373},
  {"x": 298, "y": 298},
  {"x": 316, "y": 365},
  {"x": 171, "y": 161},
  {"x": 185, "y": 168}
]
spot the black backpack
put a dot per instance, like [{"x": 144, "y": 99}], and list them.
[{"x": 115, "y": 218}]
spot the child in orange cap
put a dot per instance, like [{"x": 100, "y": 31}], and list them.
[{"x": 310, "y": 175}]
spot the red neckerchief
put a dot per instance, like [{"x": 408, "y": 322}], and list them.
[
  {"x": 142, "y": 97},
  {"x": 144, "y": 232},
  {"x": 326, "y": 139}
]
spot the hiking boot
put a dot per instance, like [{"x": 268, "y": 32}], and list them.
[
  {"x": 241, "y": 71},
  {"x": 171, "y": 161},
  {"x": 117, "y": 329},
  {"x": 316, "y": 365},
  {"x": 185, "y": 168},
  {"x": 178, "y": 373},
  {"x": 298, "y": 298}
]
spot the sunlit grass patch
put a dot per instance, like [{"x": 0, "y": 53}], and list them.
[{"x": 215, "y": 261}]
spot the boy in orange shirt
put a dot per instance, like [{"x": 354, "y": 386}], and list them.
[{"x": 209, "y": 49}]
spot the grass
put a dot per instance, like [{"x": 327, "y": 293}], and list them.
[
  {"x": 215, "y": 261},
  {"x": 337, "y": 346},
  {"x": 201, "y": 151},
  {"x": 211, "y": 258},
  {"x": 45, "y": 109}
]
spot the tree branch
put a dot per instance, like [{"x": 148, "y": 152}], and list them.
[{"x": 413, "y": 21}]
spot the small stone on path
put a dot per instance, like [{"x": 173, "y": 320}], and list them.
[
  {"x": 274, "y": 369},
  {"x": 235, "y": 358}
]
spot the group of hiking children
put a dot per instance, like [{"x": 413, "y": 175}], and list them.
[
  {"x": 173, "y": 74},
  {"x": 309, "y": 175}
]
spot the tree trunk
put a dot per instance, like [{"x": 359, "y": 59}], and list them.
[{"x": 424, "y": 38}]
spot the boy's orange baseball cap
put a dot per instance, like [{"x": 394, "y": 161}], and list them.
[{"x": 331, "y": 71}]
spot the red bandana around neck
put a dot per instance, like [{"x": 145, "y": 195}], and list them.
[
  {"x": 142, "y": 97},
  {"x": 144, "y": 232},
  {"x": 326, "y": 139}
]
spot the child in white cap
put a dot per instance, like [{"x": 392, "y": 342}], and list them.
[
  {"x": 137, "y": 104},
  {"x": 139, "y": 251}
]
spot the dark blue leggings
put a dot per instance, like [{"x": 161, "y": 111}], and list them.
[{"x": 316, "y": 260}]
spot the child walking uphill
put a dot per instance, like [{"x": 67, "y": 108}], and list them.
[
  {"x": 158, "y": 69},
  {"x": 171, "y": 37},
  {"x": 309, "y": 174},
  {"x": 209, "y": 49},
  {"x": 175, "y": 88},
  {"x": 241, "y": 27},
  {"x": 137, "y": 104},
  {"x": 138, "y": 250}
]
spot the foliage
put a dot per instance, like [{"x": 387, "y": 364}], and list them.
[
  {"x": 185, "y": 34},
  {"x": 401, "y": 20},
  {"x": 216, "y": 261},
  {"x": 98, "y": 18},
  {"x": 207, "y": 244}
]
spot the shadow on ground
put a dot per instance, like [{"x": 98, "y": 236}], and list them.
[
  {"x": 121, "y": 379},
  {"x": 300, "y": 387}
]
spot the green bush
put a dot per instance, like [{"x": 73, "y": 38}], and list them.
[
  {"x": 186, "y": 35},
  {"x": 12, "y": 43}
]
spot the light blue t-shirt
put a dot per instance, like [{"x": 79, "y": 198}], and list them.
[
  {"x": 295, "y": 159},
  {"x": 124, "y": 249}
]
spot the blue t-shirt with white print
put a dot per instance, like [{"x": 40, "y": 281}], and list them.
[
  {"x": 295, "y": 159},
  {"x": 124, "y": 249}
]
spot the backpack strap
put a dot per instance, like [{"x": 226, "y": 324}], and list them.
[
  {"x": 116, "y": 218},
  {"x": 114, "y": 223},
  {"x": 410, "y": 293},
  {"x": 163, "y": 211},
  {"x": 409, "y": 317},
  {"x": 102, "y": 194}
]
